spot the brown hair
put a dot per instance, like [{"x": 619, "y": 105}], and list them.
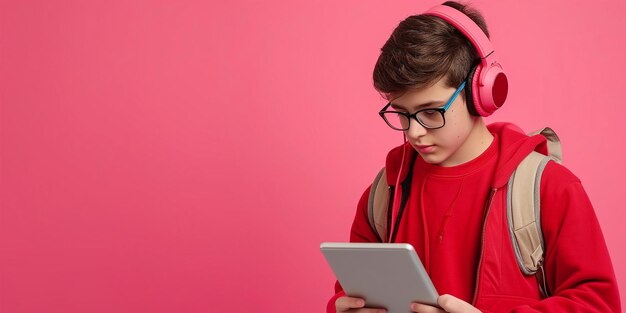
[{"x": 422, "y": 50}]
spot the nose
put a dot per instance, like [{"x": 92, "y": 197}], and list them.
[{"x": 415, "y": 130}]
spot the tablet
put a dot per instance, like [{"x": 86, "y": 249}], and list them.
[{"x": 386, "y": 275}]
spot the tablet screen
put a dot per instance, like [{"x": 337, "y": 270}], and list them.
[{"x": 386, "y": 275}]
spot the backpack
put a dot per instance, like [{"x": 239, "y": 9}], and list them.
[{"x": 522, "y": 206}]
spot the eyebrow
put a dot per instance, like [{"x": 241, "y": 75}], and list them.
[{"x": 419, "y": 106}]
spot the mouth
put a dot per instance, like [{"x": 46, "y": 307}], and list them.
[{"x": 424, "y": 148}]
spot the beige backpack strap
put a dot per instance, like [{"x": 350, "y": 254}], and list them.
[
  {"x": 554, "y": 143},
  {"x": 524, "y": 216},
  {"x": 377, "y": 205}
]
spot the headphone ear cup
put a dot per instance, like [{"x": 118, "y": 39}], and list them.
[
  {"x": 491, "y": 88},
  {"x": 469, "y": 91}
]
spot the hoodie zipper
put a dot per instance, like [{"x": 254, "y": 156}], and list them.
[{"x": 492, "y": 195}]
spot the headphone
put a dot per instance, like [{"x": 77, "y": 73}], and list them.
[{"x": 487, "y": 85}]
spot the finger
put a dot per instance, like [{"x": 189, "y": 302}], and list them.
[
  {"x": 423, "y": 308},
  {"x": 453, "y": 304},
  {"x": 345, "y": 303}
]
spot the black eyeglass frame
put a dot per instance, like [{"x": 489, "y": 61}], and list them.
[
  {"x": 413, "y": 116},
  {"x": 441, "y": 111}
]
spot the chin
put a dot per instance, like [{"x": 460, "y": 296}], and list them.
[{"x": 432, "y": 159}]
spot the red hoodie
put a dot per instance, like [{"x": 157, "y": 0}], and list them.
[{"x": 465, "y": 244}]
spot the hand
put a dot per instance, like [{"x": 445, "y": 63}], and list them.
[
  {"x": 354, "y": 305},
  {"x": 448, "y": 303}
]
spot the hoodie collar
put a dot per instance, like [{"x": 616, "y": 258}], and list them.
[{"x": 514, "y": 145}]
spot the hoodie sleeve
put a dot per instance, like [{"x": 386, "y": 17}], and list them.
[
  {"x": 579, "y": 272},
  {"x": 360, "y": 232}
]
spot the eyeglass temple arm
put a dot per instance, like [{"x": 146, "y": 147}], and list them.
[{"x": 456, "y": 93}]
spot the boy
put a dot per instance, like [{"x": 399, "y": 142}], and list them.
[{"x": 440, "y": 81}]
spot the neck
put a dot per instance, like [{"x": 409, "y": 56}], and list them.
[{"x": 476, "y": 143}]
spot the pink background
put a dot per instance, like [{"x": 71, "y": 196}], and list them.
[{"x": 186, "y": 156}]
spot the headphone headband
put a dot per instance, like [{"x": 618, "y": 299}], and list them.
[
  {"x": 488, "y": 85},
  {"x": 466, "y": 26}
]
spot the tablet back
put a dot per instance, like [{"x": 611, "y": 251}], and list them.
[{"x": 386, "y": 275}]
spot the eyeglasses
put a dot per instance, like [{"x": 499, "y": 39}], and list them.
[{"x": 431, "y": 118}]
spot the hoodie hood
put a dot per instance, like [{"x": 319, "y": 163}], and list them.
[{"x": 514, "y": 145}]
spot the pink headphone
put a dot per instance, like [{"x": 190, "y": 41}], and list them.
[{"x": 487, "y": 84}]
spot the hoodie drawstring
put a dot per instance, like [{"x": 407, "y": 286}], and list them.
[{"x": 425, "y": 229}]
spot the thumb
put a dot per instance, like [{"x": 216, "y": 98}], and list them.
[{"x": 453, "y": 304}]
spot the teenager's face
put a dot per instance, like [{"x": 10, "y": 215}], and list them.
[{"x": 446, "y": 146}]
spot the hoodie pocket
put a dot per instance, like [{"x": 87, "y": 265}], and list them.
[{"x": 503, "y": 303}]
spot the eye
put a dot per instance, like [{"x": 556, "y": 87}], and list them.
[{"x": 429, "y": 112}]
